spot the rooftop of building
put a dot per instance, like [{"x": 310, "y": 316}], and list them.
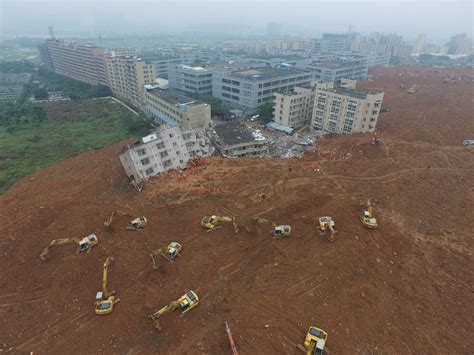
[
  {"x": 233, "y": 133},
  {"x": 265, "y": 73},
  {"x": 172, "y": 97},
  {"x": 357, "y": 94},
  {"x": 331, "y": 64}
]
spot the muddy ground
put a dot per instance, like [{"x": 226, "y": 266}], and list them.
[{"x": 406, "y": 287}]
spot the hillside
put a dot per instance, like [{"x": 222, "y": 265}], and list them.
[{"x": 403, "y": 288}]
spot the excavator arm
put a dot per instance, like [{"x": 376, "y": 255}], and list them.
[
  {"x": 58, "y": 242},
  {"x": 104, "y": 277},
  {"x": 170, "y": 307},
  {"x": 154, "y": 254}
]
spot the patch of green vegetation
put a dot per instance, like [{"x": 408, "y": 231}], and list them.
[{"x": 38, "y": 136}]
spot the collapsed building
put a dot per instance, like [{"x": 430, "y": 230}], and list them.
[
  {"x": 234, "y": 139},
  {"x": 168, "y": 148}
]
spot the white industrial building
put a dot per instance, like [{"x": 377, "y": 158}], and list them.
[{"x": 167, "y": 148}]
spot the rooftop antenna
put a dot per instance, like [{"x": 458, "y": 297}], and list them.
[{"x": 51, "y": 32}]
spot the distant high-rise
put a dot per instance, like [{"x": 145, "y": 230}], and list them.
[
  {"x": 420, "y": 44},
  {"x": 274, "y": 29},
  {"x": 460, "y": 44}
]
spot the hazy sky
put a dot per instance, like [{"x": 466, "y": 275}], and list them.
[{"x": 438, "y": 20}]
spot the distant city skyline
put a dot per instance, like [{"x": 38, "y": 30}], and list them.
[{"x": 437, "y": 20}]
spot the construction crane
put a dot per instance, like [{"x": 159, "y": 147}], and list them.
[
  {"x": 366, "y": 217},
  {"x": 279, "y": 231},
  {"x": 231, "y": 339},
  {"x": 327, "y": 225},
  {"x": 169, "y": 252},
  {"x": 314, "y": 342},
  {"x": 185, "y": 303},
  {"x": 105, "y": 300},
  {"x": 84, "y": 244},
  {"x": 213, "y": 222}
]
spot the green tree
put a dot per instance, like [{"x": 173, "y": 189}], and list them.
[{"x": 40, "y": 93}]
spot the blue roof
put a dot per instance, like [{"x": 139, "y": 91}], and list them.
[{"x": 280, "y": 127}]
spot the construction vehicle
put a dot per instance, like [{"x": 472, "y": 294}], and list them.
[
  {"x": 366, "y": 217},
  {"x": 84, "y": 244},
  {"x": 185, "y": 303},
  {"x": 105, "y": 300},
  {"x": 279, "y": 231},
  {"x": 231, "y": 339},
  {"x": 327, "y": 225},
  {"x": 214, "y": 222},
  {"x": 137, "y": 223},
  {"x": 169, "y": 252},
  {"x": 374, "y": 138},
  {"x": 411, "y": 90},
  {"x": 314, "y": 342}
]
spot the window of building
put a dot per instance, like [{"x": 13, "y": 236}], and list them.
[
  {"x": 141, "y": 151},
  {"x": 171, "y": 135},
  {"x": 167, "y": 163},
  {"x": 149, "y": 171},
  {"x": 160, "y": 145},
  {"x": 145, "y": 161},
  {"x": 164, "y": 154}
]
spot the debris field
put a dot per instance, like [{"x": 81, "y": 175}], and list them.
[{"x": 405, "y": 287}]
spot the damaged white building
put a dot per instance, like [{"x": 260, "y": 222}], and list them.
[{"x": 169, "y": 147}]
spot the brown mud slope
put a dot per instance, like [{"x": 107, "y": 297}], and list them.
[{"x": 406, "y": 287}]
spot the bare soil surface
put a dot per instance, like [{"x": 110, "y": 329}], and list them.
[{"x": 406, "y": 287}]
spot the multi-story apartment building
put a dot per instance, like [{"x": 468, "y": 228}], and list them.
[
  {"x": 167, "y": 148},
  {"x": 81, "y": 62},
  {"x": 294, "y": 109},
  {"x": 333, "y": 43},
  {"x": 127, "y": 77},
  {"x": 251, "y": 88},
  {"x": 460, "y": 44},
  {"x": 174, "y": 109},
  {"x": 342, "y": 110},
  {"x": 190, "y": 79},
  {"x": 377, "y": 59},
  {"x": 233, "y": 139},
  {"x": 334, "y": 71}
]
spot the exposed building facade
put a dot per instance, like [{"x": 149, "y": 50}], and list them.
[
  {"x": 250, "y": 88},
  {"x": 294, "y": 109},
  {"x": 233, "y": 139},
  {"x": 81, "y": 62},
  {"x": 174, "y": 109},
  {"x": 166, "y": 149},
  {"x": 127, "y": 77},
  {"x": 342, "y": 110}
]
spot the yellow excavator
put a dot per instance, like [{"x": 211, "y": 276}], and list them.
[
  {"x": 84, "y": 244},
  {"x": 105, "y": 300},
  {"x": 185, "y": 303},
  {"x": 169, "y": 252},
  {"x": 366, "y": 217},
  {"x": 135, "y": 224},
  {"x": 327, "y": 225},
  {"x": 214, "y": 222},
  {"x": 279, "y": 231},
  {"x": 314, "y": 342}
]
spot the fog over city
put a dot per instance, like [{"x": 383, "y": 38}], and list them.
[{"x": 438, "y": 20}]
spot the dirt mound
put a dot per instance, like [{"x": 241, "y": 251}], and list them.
[{"x": 405, "y": 287}]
